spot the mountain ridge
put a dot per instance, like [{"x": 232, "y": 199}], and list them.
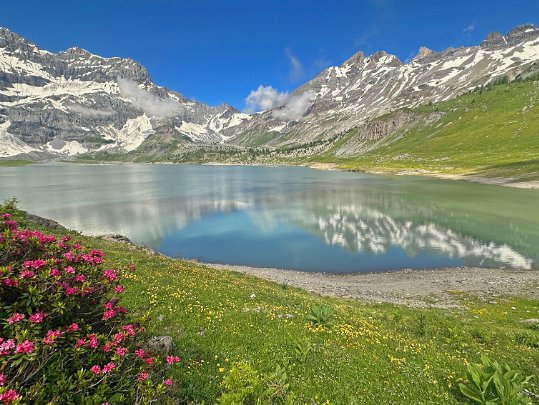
[
  {"x": 363, "y": 87},
  {"x": 74, "y": 102}
]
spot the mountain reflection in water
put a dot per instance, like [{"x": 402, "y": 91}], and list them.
[{"x": 288, "y": 217}]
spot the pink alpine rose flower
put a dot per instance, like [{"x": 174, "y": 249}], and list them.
[
  {"x": 95, "y": 369},
  {"x": 10, "y": 283},
  {"x": 121, "y": 351},
  {"x": 79, "y": 343},
  {"x": 93, "y": 340},
  {"x": 52, "y": 336},
  {"x": 16, "y": 317},
  {"x": 107, "y": 368},
  {"x": 37, "y": 317},
  {"x": 108, "y": 314},
  {"x": 70, "y": 291},
  {"x": 6, "y": 347},
  {"x": 72, "y": 328},
  {"x": 34, "y": 264},
  {"x": 8, "y": 396},
  {"x": 143, "y": 376},
  {"x": 24, "y": 347},
  {"x": 172, "y": 359},
  {"x": 27, "y": 274},
  {"x": 110, "y": 275}
]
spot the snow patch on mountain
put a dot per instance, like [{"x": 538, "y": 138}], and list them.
[
  {"x": 10, "y": 145},
  {"x": 69, "y": 148},
  {"x": 134, "y": 132}
]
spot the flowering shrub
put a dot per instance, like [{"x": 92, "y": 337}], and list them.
[{"x": 64, "y": 337}]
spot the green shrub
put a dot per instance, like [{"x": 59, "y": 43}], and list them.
[
  {"x": 492, "y": 383},
  {"x": 277, "y": 389},
  {"x": 320, "y": 315},
  {"x": 527, "y": 339},
  {"x": 302, "y": 348},
  {"x": 244, "y": 386},
  {"x": 241, "y": 385}
]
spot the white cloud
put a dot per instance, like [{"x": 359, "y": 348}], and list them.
[
  {"x": 287, "y": 107},
  {"x": 264, "y": 98},
  {"x": 295, "y": 107},
  {"x": 469, "y": 28},
  {"x": 90, "y": 112},
  {"x": 296, "y": 67},
  {"x": 148, "y": 102}
]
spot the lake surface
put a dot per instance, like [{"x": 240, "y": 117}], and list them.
[{"x": 288, "y": 217}]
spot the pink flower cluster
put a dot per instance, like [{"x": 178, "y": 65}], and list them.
[
  {"x": 37, "y": 317},
  {"x": 52, "y": 336},
  {"x": 71, "y": 285},
  {"x": 110, "y": 275},
  {"x": 16, "y": 317},
  {"x": 25, "y": 347},
  {"x": 172, "y": 359},
  {"x": 9, "y": 396}
]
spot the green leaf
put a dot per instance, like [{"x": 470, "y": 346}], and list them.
[{"x": 472, "y": 394}]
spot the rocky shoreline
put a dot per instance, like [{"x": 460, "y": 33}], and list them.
[{"x": 417, "y": 288}]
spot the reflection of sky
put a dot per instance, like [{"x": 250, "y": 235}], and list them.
[
  {"x": 237, "y": 239},
  {"x": 287, "y": 217}
]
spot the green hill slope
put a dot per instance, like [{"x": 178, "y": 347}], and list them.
[{"x": 490, "y": 132}]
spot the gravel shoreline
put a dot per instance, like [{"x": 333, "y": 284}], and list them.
[{"x": 417, "y": 288}]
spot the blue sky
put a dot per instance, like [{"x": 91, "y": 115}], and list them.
[{"x": 218, "y": 51}]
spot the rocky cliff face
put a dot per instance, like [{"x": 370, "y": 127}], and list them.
[
  {"x": 345, "y": 96},
  {"x": 73, "y": 102}
]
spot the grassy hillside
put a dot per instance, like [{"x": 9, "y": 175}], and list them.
[
  {"x": 369, "y": 354},
  {"x": 492, "y": 132},
  {"x": 10, "y": 163}
]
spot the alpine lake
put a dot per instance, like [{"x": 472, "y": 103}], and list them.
[{"x": 288, "y": 217}]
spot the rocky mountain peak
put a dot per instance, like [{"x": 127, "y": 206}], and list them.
[
  {"x": 423, "y": 51},
  {"x": 522, "y": 33},
  {"x": 518, "y": 34},
  {"x": 76, "y": 51},
  {"x": 13, "y": 41},
  {"x": 382, "y": 57},
  {"x": 356, "y": 59}
]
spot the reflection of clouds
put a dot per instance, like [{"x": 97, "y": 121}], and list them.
[
  {"x": 361, "y": 229},
  {"x": 146, "y": 221}
]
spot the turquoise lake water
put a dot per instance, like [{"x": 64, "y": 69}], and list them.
[{"x": 288, "y": 217}]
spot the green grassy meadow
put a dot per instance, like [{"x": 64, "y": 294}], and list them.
[{"x": 369, "y": 354}]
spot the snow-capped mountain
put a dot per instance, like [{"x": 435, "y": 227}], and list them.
[
  {"x": 345, "y": 96},
  {"x": 72, "y": 102}
]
